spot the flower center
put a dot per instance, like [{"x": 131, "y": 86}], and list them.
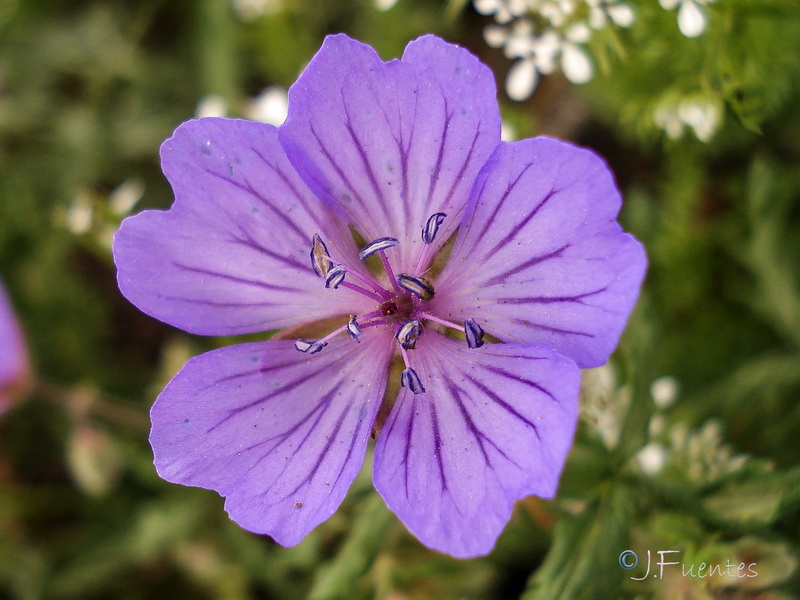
[
  {"x": 399, "y": 307},
  {"x": 402, "y": 308}
]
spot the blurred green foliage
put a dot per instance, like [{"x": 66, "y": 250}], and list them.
[{"x": 89, "y": 89}]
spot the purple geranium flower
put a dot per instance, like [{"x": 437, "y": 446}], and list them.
[
  {"x": 13, "y": 356},
  {"x": 405, "y": 153}
]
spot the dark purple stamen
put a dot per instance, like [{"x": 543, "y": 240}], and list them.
[
  {"x": 474, "y": 333},
  {"x": 411, "y": 380}
]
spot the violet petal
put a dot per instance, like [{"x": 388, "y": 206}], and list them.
[
  {"x": 231, "y": 255},
  {"x": 392, "y": 143},
  {"x": 13, "y": 355},
  {"x": 494, "y": 425},
  {"x": 539, "y": 257},
  {"x": 281, "y": 435}
]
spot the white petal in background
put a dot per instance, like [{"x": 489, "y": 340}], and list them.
[
  {"x": 384, "y": 5},
  {"x": 522, "y": 79},
  {"x": 496, "y": 36},
  {"x": 576, "y": 64},
  {"x": 622, "y": 15},
  {"x": 547, "y": 48},
  {"x": 691, "y": 20},
  {"x": 580, "y": 33},
  {"x": 270, "y": 106},
  {"x": 701, "y": 116},
  {"x": 487, "y": 7}
]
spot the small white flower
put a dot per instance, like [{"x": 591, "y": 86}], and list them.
[
  {"x": 250, "y": 10},
  {"x": 546, "y": 51},
  {"x": 212, "y": 105},
  {"x": 575, "y": 64},
  {"x": 384, "y": 5},
  {"x": 517, "y": 8},
  {"x": 487, "y": 7},
  {"x": 702, "y": 116},
  {"x": 80, "y": 214},
  {"x": 270, "y": 106},
  {"x": 665, "y": 116},
  {"x": 692, "y": 20},
  {"x": 664, "y": 391},
  {"x": 657, "y": 425},
  {"x": 603, "y": 11},
  {"x": 496, "y": 35},
  {"x": 699, "y": 113},
  {"x": 652, "y": 458},
  {"x": 520, "y": 41},
  {"x": 125, "y": 196},
  {"x": 621, "y": 14},
  {"x": 508, "y": 133},
  {"x": 522, "y": 79}
]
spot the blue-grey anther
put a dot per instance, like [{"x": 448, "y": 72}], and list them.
[
  {"x": 376, "y": 246},
  {"x": 432, "y": 227},
  {"x": 410, "y": 379},
  {"x": 474, "y": 333},
  {"x": 409, "y": 334},
  {"x": 418, "y": 286},
  {"x": 308, "y": 346},
  {"x": 320, "y": 261},
  {"x": 335, "y": 276},
  {"x": 353, "y": 329}
]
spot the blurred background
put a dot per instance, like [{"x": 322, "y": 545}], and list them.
[{"x": 688, "y": 438}]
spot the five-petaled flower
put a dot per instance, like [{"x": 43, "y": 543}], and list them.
[
  {"x": 539, "y": 282},
  {"x": 13, "y": 355}
]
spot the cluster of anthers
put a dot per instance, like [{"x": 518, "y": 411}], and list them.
[{"x": 403, "y": 307}]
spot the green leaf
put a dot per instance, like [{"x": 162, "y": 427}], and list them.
[
  {"x": 340, "y": 576},
  {"x": 582, "y": 563},
  {"x": 755, "y": 502}
]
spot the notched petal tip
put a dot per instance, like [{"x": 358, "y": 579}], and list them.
[{"x": 493, "y": 427}]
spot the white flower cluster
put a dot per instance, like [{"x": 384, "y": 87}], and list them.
[
  {"x": 270, "y": 106},
  {"x": 97, "y": 214},
  {"x": 542, "y": 35},
  {"x": 701, "y": 115},
  {"x": 604, "y": 404},
  {"x": 700, "y": 454},
  {"x": 692, "y": 20},
  {"x": 251, "y": 10}
]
